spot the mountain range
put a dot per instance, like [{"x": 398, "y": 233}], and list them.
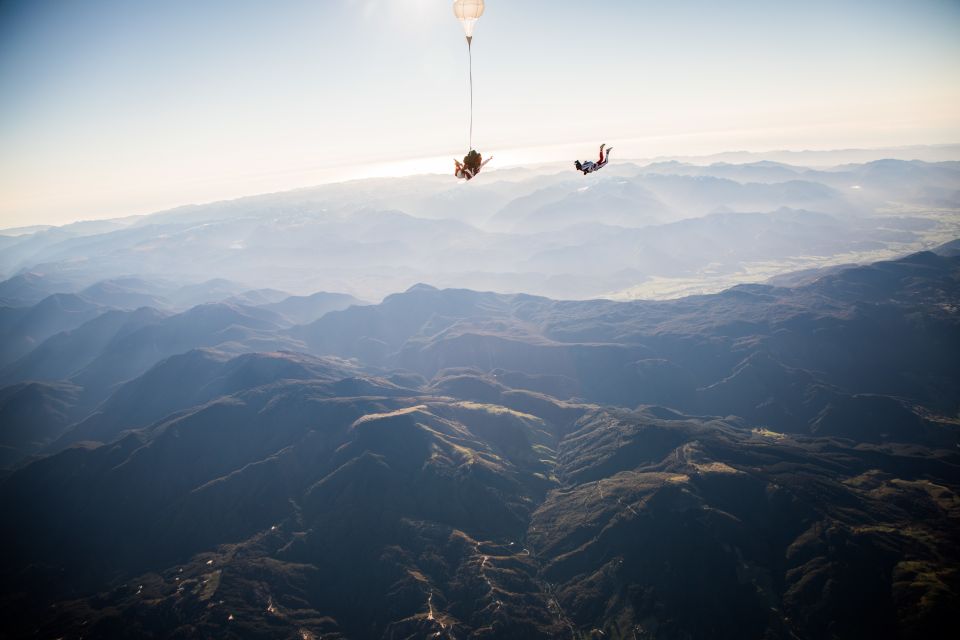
[{"x": 771, "y": 461}]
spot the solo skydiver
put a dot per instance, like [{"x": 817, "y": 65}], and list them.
[{"x": 590, "y": 166}]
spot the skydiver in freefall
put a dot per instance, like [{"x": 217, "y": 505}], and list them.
[{"x": 590, "y": 166}]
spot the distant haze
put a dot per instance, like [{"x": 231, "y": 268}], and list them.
[
  {"x": 658, "y": 229},
  {"x": 115, "y": 108}
]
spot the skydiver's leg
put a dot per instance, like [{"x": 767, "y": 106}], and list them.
[{"x": 601, "y": 152}]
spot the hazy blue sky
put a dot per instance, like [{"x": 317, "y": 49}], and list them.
[{"x": 112, "y": 107}]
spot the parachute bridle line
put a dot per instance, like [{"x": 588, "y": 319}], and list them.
[{"x": 470, "y": 57}]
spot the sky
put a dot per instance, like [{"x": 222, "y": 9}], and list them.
[{"x": 119, "y": 107}]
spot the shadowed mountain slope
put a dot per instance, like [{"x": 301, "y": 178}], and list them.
[
  {"x": 23, "y": 328},
  {"x": 191, "y": 379},
  {"x": 286, "y": 509},
  {"x": 65, "y": 354},
  {"x": 890, "y": 329}
]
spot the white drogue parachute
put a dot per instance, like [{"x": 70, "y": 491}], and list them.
[{"x": 468, "y": 12}]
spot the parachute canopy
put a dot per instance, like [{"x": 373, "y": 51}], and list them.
[{"x": 468, "y": 12}]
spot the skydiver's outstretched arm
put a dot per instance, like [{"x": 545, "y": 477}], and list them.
[{"x": 484, "y": 163}]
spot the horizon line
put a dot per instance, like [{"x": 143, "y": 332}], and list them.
[{"x": 398, "y": 169}]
